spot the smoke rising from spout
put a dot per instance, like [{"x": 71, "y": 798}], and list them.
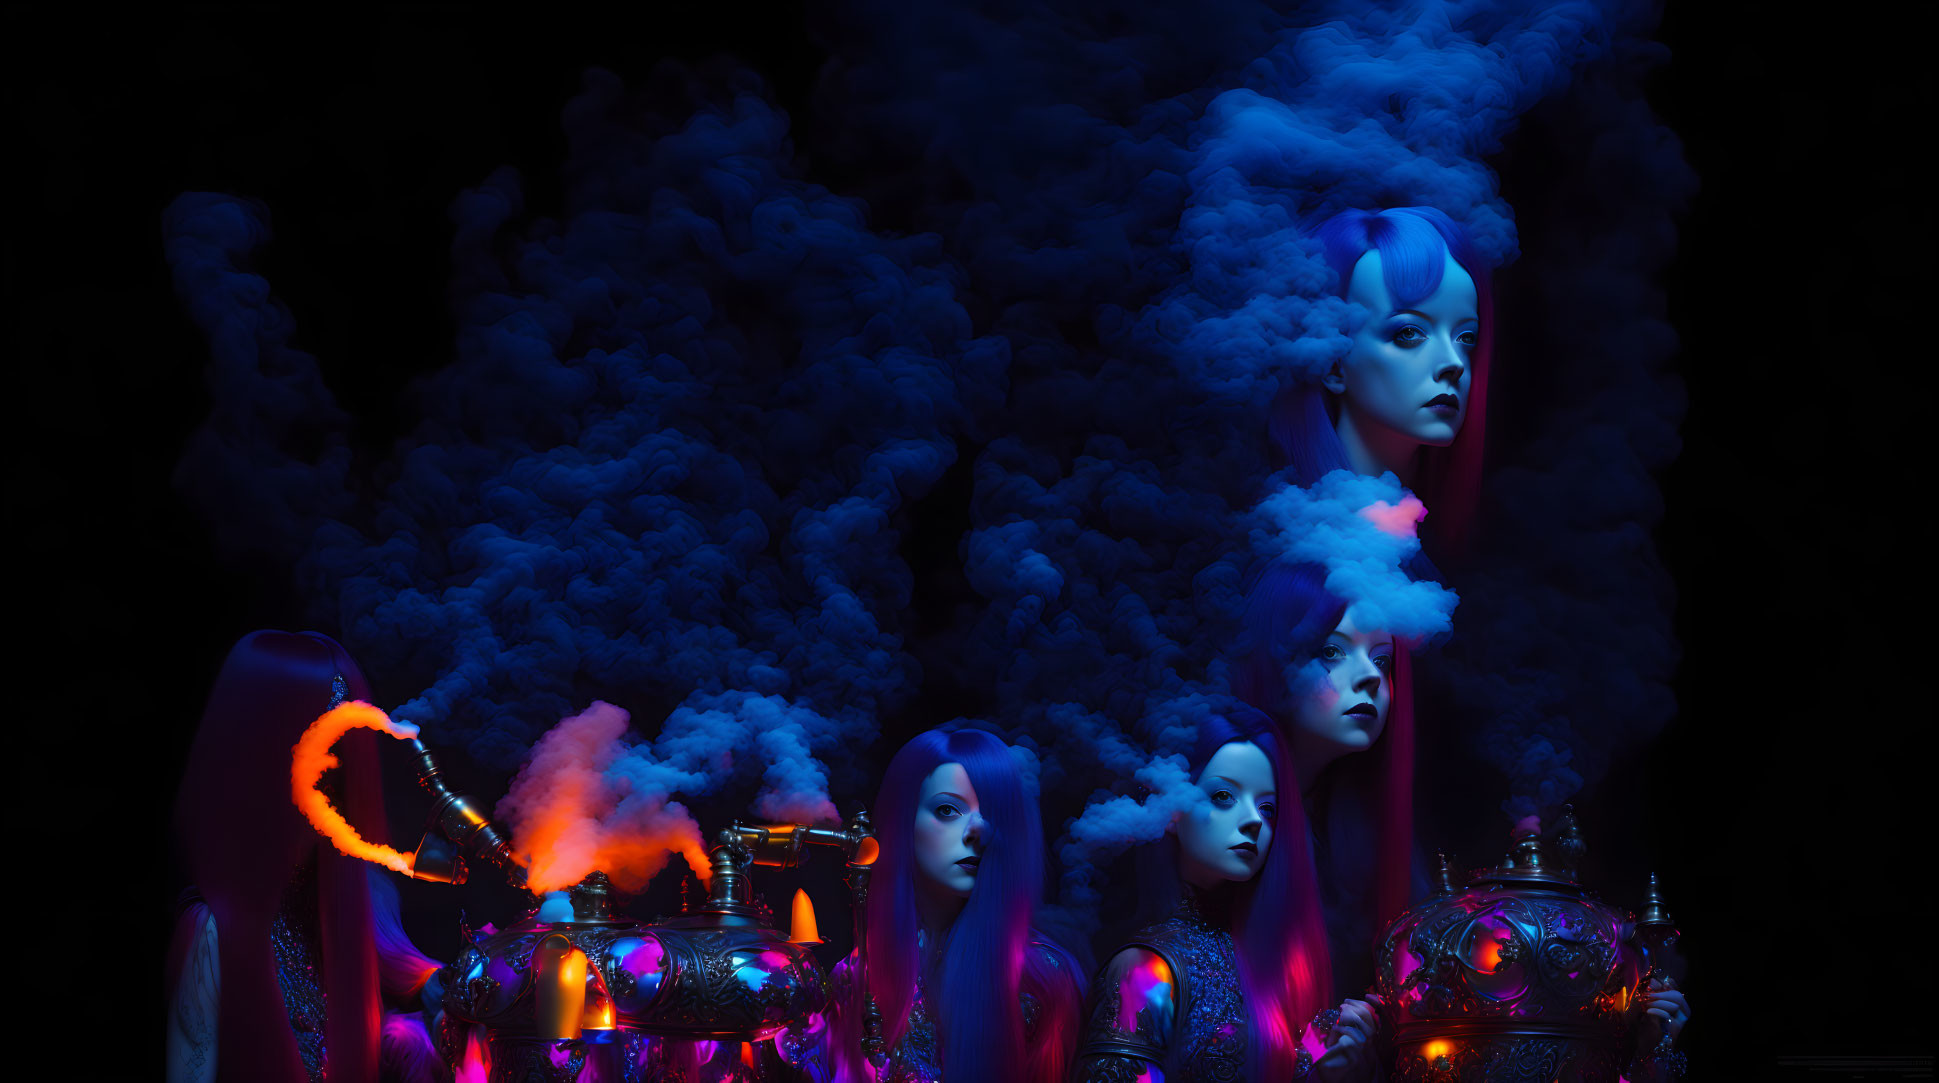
[
  {"x": 570, "y": 812},
  {"x": 672, "y": 465},
  {"x": 667, "y": 469}
]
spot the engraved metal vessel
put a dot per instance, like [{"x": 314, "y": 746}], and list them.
[
  {"x": 714, "y": 993},
  {"x": 1519, "y": 976}
]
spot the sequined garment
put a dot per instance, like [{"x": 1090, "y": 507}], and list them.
[
  {"x": 299, "y": 971},
  {"x": 917, "y": 1057},
  {"x": 1169, "y": 999}
]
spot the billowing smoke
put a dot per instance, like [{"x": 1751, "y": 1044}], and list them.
[
  {"x": 664, "y": 471},
  {"x": 670, "y": 465},
  {"x": 591, "y": 798},
  {"x": 572, "y": 809},
  {"x": 274, "y": 442},
  {"x": 1566, "y": 648},
  {"x": 1137, "y": 216},
  {"x": 1361, "y": 529}
]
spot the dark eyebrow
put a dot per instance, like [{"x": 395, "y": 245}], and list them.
[
  {"x": 946, "y": 793},
  {"x": 1232, "y": 781}
]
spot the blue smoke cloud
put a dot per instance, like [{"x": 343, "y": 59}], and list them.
[
  {"x": 669, "y": 464},
  {"x": 1344, "y": 522},
  {"x": 665, "y": 469},
  {"x": 275, "y": 440},
  {"x": 1136, "y": 217},
  {"x": 1566, "y": 647}
]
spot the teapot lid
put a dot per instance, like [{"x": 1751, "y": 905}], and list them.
[{"x": 1529, "y": 862}]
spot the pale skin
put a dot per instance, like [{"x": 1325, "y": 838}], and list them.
[
  {"x": 1404, "y": 383},
  {"x": 949, "y": 838},
  {"x": 1347, "y": 711},
  {"x": 1226, "y": 840}
]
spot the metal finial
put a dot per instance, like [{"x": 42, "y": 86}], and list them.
[
  {"x": 1654, "y": 912},
  {"x": 1568, "y": 846}
]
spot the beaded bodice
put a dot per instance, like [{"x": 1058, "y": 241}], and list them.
[
  {"x": 299, "y": 970},
  {"x": 917, "y": 1056},
  {"x": 1169, "y": 998}
]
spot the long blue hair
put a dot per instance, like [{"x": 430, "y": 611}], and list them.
[
  {"x": 1412, "y": 242},
  {"x": 1277, "y": 926},
  {"x": 974, "y": 976},
  {"x": 1288, "y": 615}
]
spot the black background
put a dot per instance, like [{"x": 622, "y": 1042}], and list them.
[{"x": 1785, "y": 807}]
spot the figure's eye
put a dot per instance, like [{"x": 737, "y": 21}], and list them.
[
  {"x": 1384, "y": 662},
  {"x": 1269, "y": 812},
  {"x": 1223, "y": 797},
  {"x": 1470, "y": 339},
  {"x": 1332, "y": 652},
  {"x": 947, "y": 812},
  {"x": 1409, "y": 336}
]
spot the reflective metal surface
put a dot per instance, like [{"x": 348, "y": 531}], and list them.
[
  {"x": 714, "y": 993},
  {"x": 1520, "y": 976}
]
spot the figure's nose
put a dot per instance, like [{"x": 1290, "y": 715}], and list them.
[
  {"x": 974, "y": 830},
  {"x": 1367, "y": 680},
  {"x": 1253, "y": 822},
  {"x": 1451, "y": 365}
]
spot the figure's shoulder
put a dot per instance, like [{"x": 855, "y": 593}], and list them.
[
  {"x": 1139, "y": 981},
  {"x": 1132, "y": 1015},
  {"x": 196, "y": 999},
  {"x": 1172, "y": 938}
]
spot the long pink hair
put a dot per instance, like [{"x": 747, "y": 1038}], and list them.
[{"x": 242, "y": 837}]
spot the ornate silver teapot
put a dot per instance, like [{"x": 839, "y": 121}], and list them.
[
  {"x": 714, "y": 993},
  {"x": 1521, "y": 975}
]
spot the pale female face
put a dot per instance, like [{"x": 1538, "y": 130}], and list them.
[
  {"x": 950, "y": 831},
  {"x": 1344, "y": 708},
  {"x": 1408, "y": 371},
  {"x": 1228, "y": 836}
]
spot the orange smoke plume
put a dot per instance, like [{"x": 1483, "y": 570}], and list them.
[
  {"x": 587, "y": 801},
  {"x": 313, "y": 757}
]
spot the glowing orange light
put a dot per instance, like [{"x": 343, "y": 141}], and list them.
[
  {"x": 1490, "y": 956},
  {"x": 569, "y": 816},
  {"x": 1435, "y": 1050},
  {"x": 747, "y": 1054},
  {"x": 599, "y": 1007},
  {"x": 802, "y": 929},
  {"x": 867, "y": 852},
  {"x": 313, "y": 757}
]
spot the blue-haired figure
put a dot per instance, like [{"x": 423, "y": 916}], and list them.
[
  {"x": 1342, "y": 695},
  {"x": 1221, "y": 983},
  {"x": 965, "y": 988},
  {"x": 1410, "y": 396},
  {"x": 1338, "y": 690}
]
